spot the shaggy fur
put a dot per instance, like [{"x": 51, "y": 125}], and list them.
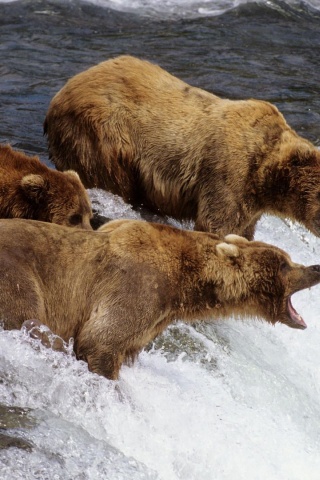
[
  {"x": 116, "y": 289},
  {"x": 29, "y": 189},
  {"x": 130, "y": 127}
]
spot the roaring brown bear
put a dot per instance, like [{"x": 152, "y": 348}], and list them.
[
  {"x": 129, "y": 127},
  {"x": 116, "y": 289},
  {"x": 30, "y": 189}
]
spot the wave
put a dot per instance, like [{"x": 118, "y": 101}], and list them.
[{"x": 193, "y": 9}]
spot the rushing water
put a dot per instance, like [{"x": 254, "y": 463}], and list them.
[{"x": 229, "y": 401}]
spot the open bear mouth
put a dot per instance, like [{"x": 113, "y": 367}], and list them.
[{"x": 296, "y": 321}]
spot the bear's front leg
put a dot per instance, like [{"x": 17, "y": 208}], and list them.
[
  {"x": 223, "y": 215},
  {"x": 249, "y": 231},
  {"x": 104, "y": 363},
  {"x": 100, "y": 348},
  {"x": 221, "y": 226},
  {"x": 117, "y": 329}
]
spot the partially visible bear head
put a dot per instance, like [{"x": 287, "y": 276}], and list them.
[
  {"x": 263, "y": 278},
  {"x": 293, "y": 185},
  {"x": 305, "y": 172},
  {"x": 60, "y": 199}
]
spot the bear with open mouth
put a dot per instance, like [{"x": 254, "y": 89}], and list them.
[{"x": 115, "y": 289}]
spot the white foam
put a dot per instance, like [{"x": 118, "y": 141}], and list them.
[
  {"x": 180, "y": 8},
  {"x": 168, "y": 8},
  {"x": 188, "y": 8}
]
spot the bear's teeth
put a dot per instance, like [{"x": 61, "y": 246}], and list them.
[{"x": 297, "y": 320}]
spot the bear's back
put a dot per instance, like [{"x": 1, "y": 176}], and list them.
[
  {"x": 14, "y": 161},
  {"x": 132, "y": 82}
]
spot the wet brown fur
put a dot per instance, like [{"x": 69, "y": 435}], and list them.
[
  {"x": 116, "y": 289},
  {"x": 129, "y": 127},
  {"x": 30, "y": 189}
]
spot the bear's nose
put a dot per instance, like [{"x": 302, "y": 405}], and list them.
[{"x": 315, "y": 268}]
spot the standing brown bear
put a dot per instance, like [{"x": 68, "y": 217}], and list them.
[
  {"x": 116, "y": 289},
  {"x": 29, "y": 189},
  {"x": 130, "y": 127}
]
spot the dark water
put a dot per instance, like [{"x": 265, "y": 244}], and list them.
[{"x": 251, "y": 51}]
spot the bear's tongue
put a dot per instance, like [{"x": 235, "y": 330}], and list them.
[{"x": 297, "y": 320}]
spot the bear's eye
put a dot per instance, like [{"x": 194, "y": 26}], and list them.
[
  {"x": 75, "y": 219},
  {"x": 284, "y": 266},
  {"x": 318, "y": 196}
]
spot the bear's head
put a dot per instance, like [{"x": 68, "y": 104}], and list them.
[
  {"x": 305, "y": 173},
  {"x": 262, "y": 279},
  {"x": 293, "y": 184},
  {"x": 60, "y": 198}
]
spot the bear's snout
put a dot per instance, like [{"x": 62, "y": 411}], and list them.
[
  {"x": 311, "y": 276},
  {"x": 315, "y": 268}
]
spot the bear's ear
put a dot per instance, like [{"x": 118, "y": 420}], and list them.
[
  {"x": 227, "y": 250},
  {"x": 35, "y": 187},
  {"x": 304, "y": 159},
  {"x": 232, "y": 238}
]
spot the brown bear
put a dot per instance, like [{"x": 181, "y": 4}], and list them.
[
  {"x": 30, "y": 189},
  {"x": 114, "y": 290},
  {"x": 130, "y": 127}
]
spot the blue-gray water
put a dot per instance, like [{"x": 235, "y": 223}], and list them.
[{"x": 229, "y": 401}]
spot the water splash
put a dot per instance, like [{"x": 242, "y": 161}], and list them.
[{"x": 172, "y": 9}]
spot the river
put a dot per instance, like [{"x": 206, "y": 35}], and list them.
[{"x": 225, "y": 401}]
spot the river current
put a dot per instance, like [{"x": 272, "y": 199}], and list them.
[{"x": 225, "y": 401}]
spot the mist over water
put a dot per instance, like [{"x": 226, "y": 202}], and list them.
[{"x": 229, "y": 400}]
